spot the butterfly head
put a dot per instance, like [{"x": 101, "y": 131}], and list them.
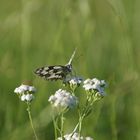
[{"x": 69, "y": 67}]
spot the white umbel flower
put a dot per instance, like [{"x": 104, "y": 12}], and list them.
[
  {"x": 32, "y": 89},
  {"x": 23, "y": 97},
  {"x": 75, "y": 136},
  {"x": 75, "y": 81},
  {"x": 25, "y": 92},
  {"x": 19, "y": 90},
  {"x": 28, "y": 97},
  {"x": 95, "y": 84},
  {"x": 24, "y": 88},
  {"x": 63, "y": 99}
]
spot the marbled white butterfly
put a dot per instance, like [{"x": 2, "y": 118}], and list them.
[{"x": 56, "y": 72}]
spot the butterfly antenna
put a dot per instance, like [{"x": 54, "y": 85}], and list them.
[{"x": 70, "y": 61}]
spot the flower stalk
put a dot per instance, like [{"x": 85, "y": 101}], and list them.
[
  {"x": 30, "y": 118},
  {"x": 25, "y": 93},
  {"x": 62, "y": 125}
]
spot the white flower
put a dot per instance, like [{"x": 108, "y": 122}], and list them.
[
  {"x": 27, "y": 97},
  {"x": 32, "y": 89},
  {"x": 62, "y": 98},
  {"x": 24, "y": 88},
  {"x": 18, "y": 90},
  {"x": 25, "y": 92},
  {"x": 75, "y": 136},
  {"x": 23, "y": 97},
  {"x": 75, "y": 81},
  {"x": 87, "y": 81},
  {"x": 95, "y": 84}
]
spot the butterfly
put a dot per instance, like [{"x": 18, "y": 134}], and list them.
[{"x": 56, "y": 72}]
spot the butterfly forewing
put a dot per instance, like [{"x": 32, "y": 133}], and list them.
[{"x": 57, "y": 72}]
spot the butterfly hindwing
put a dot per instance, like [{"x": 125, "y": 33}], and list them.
[{"x": 53, "y": 72}]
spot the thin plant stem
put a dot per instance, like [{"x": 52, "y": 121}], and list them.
[
  {"x": 55, "y": 128},
  {"x": 62, "y": 125},
  {"x": 80, "y": 126},
  {"x": 83, "y": 114},
  {"x": 30, "y": 118},
  {"x": 76, "y": 127}
]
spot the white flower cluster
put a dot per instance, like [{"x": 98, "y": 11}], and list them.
[
  {"x": 75, "y": 136},
  {"x": 63, "y": 99},
  {"x": 95, "y": 84},
  {"x": 75, "y": 81},
  {"x": 25, "y": 92}
]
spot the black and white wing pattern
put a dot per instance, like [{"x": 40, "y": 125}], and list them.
[{"x": 56, "y": 72}]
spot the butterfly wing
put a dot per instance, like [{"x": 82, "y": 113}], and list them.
[{"x": 57, "y": 72}]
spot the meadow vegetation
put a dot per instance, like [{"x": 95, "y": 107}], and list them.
[{"x": 36, "y": 33}]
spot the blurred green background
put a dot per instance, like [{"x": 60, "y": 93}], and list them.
[{"x": 35, "y": 33}]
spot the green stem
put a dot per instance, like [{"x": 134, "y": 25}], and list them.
[
  {"x": 80, "y": 125},
  {"x": 62, "y": 125},
  {"x": 30, "y": 118},
  {"x": 76, "y": 127},
  {"x": 84, "y": 113},
  {"x": 55, "y": 128}
]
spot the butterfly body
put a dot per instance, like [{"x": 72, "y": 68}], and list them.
[{"x": 56, "y": 72}]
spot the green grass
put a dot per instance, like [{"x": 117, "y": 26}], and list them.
[{"x": 37, "y": 33}]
